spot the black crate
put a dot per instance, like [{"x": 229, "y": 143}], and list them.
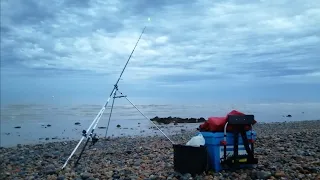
[{"x": 188, "y": 159}]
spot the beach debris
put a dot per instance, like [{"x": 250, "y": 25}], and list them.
[
  {"x": 77, "y": 123},
  {"x": 17, "y": 127},
  {"x": 196, "y": 141},
  {"x": 102, "y": 127},
  {"x": 118, "y": 126},
  {"x": 49, "y": 125},
  {"x": 289, "y": 115}
]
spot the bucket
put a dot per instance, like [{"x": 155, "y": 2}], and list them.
[{"x": 189, "y": 159}]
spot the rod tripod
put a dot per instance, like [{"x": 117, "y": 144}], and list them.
[
  {"x": 94, "y": 138},
  {"x": 114, "y": 97}
]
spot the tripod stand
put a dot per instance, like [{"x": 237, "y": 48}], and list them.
[
  {"x": 95, "y": 138},
  {"x": 115, "y": 96}
]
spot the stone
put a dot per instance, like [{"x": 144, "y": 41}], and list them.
[
  {"x": 116, "y": 176},
  {"x": 61, "y": 177},
  {"x": 263, "y": 174},
  {"x": 85, "y": 175},
  {"x": 50, "y": 169},
  {"x": 279, "y": 174}
]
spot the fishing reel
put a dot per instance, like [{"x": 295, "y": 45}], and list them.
[
  {"x": 94, "y": 139},
  {"x": 84, "y": 133}
]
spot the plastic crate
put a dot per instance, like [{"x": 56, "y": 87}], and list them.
[
  {"x": 189, "y": 159},
  {"x": 215, "y": 149}
]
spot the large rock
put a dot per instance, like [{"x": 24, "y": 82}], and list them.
[{"x": 175, "y": 120}]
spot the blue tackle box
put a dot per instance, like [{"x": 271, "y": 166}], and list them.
[{"x": 215, "y": 148}]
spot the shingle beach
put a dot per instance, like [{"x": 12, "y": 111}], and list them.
[{"x": 289, "y": 150}]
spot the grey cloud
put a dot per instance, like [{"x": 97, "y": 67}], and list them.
[
  {"x": 110, "y": 24},
  {"x": 4, "y": 29},
  {"x": 189, "y": 78},
  {"x": 26, "y": 12},
  {"x": 203, "y": 36},
  {"x": 19, "y": 71},
  {"x": 269, "y": 69},
  {"x": 146, "y": 7},
  {"x": 77, "y": 4}
]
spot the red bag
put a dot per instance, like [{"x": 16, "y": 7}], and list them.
[{"x": 216, "y": 124}]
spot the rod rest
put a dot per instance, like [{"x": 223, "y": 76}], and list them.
[{"x": 239, "y": 123}]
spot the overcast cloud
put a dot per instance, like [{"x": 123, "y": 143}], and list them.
[{"x": 259, "y": 49}]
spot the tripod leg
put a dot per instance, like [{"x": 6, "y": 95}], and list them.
[
  {"x": 236, "y": 147},
  {"x": 114, "y": 96},
  {"x": 149, "y": 120}
]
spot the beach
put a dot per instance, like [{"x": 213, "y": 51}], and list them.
[{"x": 285, "y": 150}]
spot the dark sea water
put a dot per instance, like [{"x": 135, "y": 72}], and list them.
[{"x": 33, "y": 119}]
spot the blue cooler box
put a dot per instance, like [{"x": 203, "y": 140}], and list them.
[{"x": 215, "y": 149}]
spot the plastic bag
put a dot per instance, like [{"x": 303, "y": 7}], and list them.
[{"x": 196, "y": 141}]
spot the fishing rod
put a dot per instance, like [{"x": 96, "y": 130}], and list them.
[{"x": 97, "y": 118}]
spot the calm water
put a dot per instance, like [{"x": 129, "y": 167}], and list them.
[{"x": 34, "y": 118}]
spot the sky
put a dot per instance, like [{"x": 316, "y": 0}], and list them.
[{"x": 199, "y": 51}]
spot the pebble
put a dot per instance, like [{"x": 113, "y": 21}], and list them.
[
  {"x": 283, "y": 152},
  {"x": 263, "y": 174},
  {"x": 85, "y": 175},
  {"x": 60, "y": 178},
  {"x": 279, "y": 174}
]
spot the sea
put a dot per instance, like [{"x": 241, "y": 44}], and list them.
[{"x": 39, "y": 123}]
